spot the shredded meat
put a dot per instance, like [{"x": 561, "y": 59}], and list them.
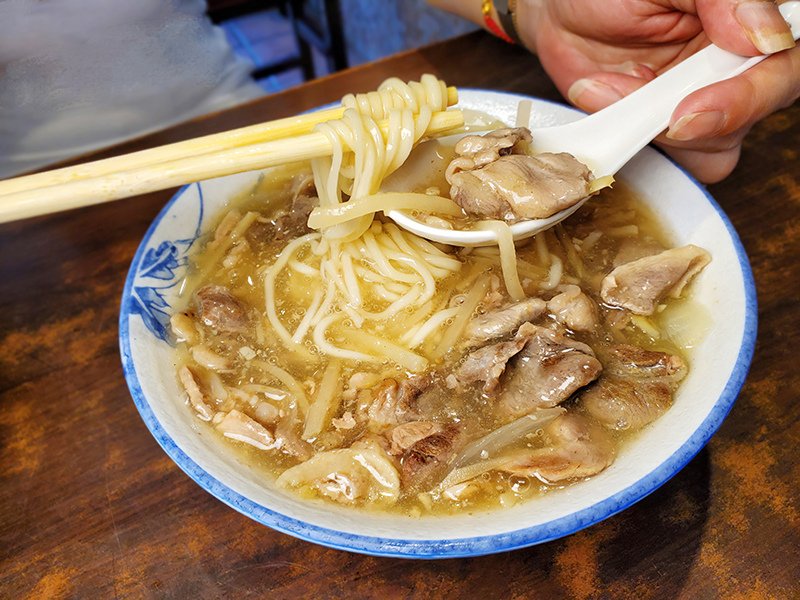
[
  {"x": 574, "y": 309},
  {"x": 493, "y": 177},
  {"x": 642, "y": 284},
  {"x": 502, "y": 322},
  {"x": 636, "y": 387},
  {"x": 578, "y": 449},
  {"x": 548, "y": 370},
  {"x": 219, "y": 309}
]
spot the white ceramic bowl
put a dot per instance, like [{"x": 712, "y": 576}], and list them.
[{"x": 717, "y": 373}]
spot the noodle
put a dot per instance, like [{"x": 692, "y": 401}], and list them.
[
  {"x": 329, "y": 216},
  {"x": 508, "y": 256},
  {"x": 295, "y": 389}
]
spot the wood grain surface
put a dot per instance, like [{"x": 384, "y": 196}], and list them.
[{"x": 90, "y": 507}]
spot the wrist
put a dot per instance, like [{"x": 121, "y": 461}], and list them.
[{"x": 527, "y": 15}]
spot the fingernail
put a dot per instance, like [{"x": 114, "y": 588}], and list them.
[
  {"x": 764, "y": 25},
  {"x": 697, "y": 125},
  {"x": 600, "y": 93}
]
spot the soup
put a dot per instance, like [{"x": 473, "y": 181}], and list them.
[
  {"x": 359, "y": 364},
  {"x": 244, "y": 370}
]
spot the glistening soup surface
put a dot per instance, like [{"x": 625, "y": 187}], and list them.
[{"x": 438, "y": 393}]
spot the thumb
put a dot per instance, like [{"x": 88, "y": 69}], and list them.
[{"x": 746, "y": 27}]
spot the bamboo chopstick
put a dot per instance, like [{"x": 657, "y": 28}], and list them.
[
  {"x": 151, "y": 177},
  {"x": 261, "y": 132}
]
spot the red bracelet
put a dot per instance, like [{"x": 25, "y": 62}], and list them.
[{"x": 491, "y": 24}]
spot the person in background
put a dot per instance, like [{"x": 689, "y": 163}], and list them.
[
  {"x": 76, "y": 75},
  {"x": 598, "y": 52}
]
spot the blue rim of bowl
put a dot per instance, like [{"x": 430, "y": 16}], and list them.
[{"x": 458, "y": 547}]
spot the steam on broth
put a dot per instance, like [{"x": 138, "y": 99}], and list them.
[{"x": 360, "y": 364}]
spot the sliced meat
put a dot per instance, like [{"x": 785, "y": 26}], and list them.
[
  {"x": 291, "y": 222},
  {"x": 487, "y": 364},
  {"x": 502, "y": 322},
  {"x": 406, "y": 435},
  {"x": 577, "y": 449},
  {"x": 238, "y": 426},
  {"x": 631, "y": 361},
  {"x": 288, "y": 439},
  {"x": 548, "y": 370},
  {"x": 574, "y": 309},
  {"x": 481, "y": 150},
  {"x": 518, "y": 186},
  {"x": 625, "y": 403},
  {"x": 219, "y": 309},
  {"x": 394, "y": 402},
  {"x": 427, "y": 461},
  {"x": 636, "y": 387},
  {"x": 642, "y": 284},
  {"x": 294, "y": 222}
]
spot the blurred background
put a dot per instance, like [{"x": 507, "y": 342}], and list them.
[
  {"x": 288, "y": 42},
  {"x": 78, "y": 75}
]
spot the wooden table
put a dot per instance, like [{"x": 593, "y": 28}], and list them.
[{"x": 90, "y": 507}]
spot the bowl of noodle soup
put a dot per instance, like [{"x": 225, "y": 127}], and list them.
[{"x": 720, "y": 356}]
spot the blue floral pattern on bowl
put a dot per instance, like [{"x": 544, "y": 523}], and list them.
[{"x": 161, "y": 269}]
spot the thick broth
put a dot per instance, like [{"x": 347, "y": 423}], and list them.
[{"x": 586, "y": 245}]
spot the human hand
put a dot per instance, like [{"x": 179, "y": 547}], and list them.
[{"x": 598, "y": 52}]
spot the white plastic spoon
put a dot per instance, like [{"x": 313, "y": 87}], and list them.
[{"x": 608, "y": 139}]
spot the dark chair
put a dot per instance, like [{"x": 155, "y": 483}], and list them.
[{"x": 317, "y": 25}]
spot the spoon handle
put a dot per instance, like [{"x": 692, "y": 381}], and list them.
[{"x": 608, "y": 139}]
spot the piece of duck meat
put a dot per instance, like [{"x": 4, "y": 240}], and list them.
[
  {"x": 238, "y": 426},
  {"x": 290, "y": 222},
  {"x": 487, "y": 364},
  {"x": 492, "y": 176},
  {"x": 625, "y": 403},
  {"x": 517, "y": 186},
  {"x": 625, "y": 360},
  {"x": 288, "y": 439},
  {"x": 547, "y": 371},
  {"x": 502, "y": 322},
  {"x": 219, "y": 309},
  {"x": 402, "y": 437},
  {"x": 574, "y": 309},
  {"x": 636, "y": 387},
  {"x": 481, "y": 150},
  {"x": 642, "y": 284},
  {"x": 429, "y": 459},
  {"x": 196, "y": 397},
  {"x": 394, "y": 402},
  {"x": 294, "y": 222},
  {"x": 577, "y": 448}
]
